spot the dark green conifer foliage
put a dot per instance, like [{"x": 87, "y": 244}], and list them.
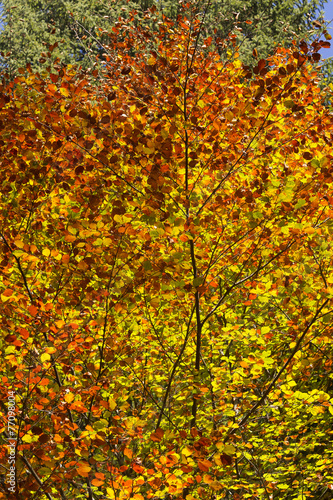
[{"x": 30, "y": 26}]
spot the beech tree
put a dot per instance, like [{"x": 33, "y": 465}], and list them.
[{"x": 166, "y": 273}]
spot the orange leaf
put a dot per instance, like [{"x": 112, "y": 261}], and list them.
[
  {"x": 100, "y": 475},
  {"x": 24, "y": 333},
  {"x": 83, "y": 469},
  {"x": 97, "y": 482},
  {"x": 204, "y": 465},
  {"x": 128, "y": 453},
  {"x": 33, "y": 310},
  {"x": 65, "y": 259},
  {"x": 157, "y": 435}
]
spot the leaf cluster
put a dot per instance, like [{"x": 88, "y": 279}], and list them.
[{"x": 166, "y": 272}]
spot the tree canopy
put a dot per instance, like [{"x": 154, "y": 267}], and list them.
[
  {"x": 166, "y": 274},
  {"x": 31, "y": 25}
]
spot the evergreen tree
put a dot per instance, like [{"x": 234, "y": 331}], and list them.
[{"x": 30, "y": 26}]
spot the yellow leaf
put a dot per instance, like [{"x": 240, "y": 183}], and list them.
[
  {"x": 18, "y": 253},
  {"x": 186, "y": 451},
  {"x": 118, "y": 218},
  {"x": 98, "y": 242},
  {"x": 112, "y": 404},
  {"x": 65, "y": 92},
  {"x": 229, "y": 449},
  {"x": 19, "y": 243},
  {"x": 72, "y": 229},
  {"x": 4, "y": 298},
  {"x": 45, "y": 357},
  {"x": 46, "y": 252},
  {"x": 69, "y": 397},
  {"x": 27, "y": 438},
  {"x": 110, "y": 493},
  {"x": 220, "y": 445}
]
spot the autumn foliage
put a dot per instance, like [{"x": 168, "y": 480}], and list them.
[{"x": 166, "y": 273}]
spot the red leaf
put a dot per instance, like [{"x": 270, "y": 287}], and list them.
[
  {"x": 80, "y": 86},
  {"x": 194, "y": 432},
  {"x": 137, "y": 468},
  {"x": 204, "y": 465},
  {"x": 261, "y": 64},
  {"x": 126, "y": 70},
  {"x": 157, "y": 435},
  {"x": 226, "y": 459},
  {"x": 54, "y": 78},
  {"x": 10, "y": 338},
  {"x": 44, "y": 438}
]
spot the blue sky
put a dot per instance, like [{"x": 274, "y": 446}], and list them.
[{"x": 329, "y": 17}]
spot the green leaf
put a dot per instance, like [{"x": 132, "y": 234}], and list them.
[
  {"x": 198, "y": 281},
  {"x": 300, "y": 203},
  {"x": 147, "y": 265}
]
